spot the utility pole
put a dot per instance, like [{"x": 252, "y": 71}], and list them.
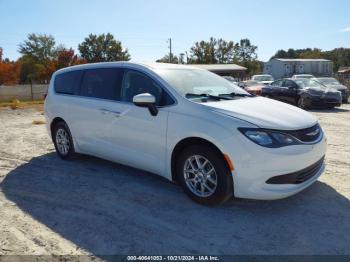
[{"x": 171, "y": 53}]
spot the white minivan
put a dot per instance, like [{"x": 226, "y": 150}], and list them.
[{"x": 188, "y": 125}]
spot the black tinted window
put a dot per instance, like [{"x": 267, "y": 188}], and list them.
[
  {"x": 135, "y": 83},
  {"x": 277, "y": 83},
  {"x": 68, "y": 83},
  {"x": 102, "y": 83},
  {"x": 289, "y": 83}
]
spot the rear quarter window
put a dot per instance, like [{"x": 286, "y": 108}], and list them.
[{"x": 68, "y": 83}]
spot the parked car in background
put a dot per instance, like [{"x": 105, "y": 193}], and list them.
[
  {"x": 265, "y": 79},
  {"x": 303, "y": 76},
  {"x": 231, "y": 79},
  {"x": 304, "y": 93},
  {"x": 252, "y": 87},
  {"x": 334, "y": 83},
  {"x": 188, "y": 125}
]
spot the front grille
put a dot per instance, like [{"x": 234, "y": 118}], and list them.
[
  {"x": 299, "y": 176},
  {"x": 308, "y": 134}
]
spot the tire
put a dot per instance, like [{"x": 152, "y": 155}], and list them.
[
  {"x": 301, "y": 103},
  {"x": 63, "y": 141},
  {"x": 193, "y": 180}
]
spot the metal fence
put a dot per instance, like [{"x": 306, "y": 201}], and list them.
[{"x": 23, "y": 92}]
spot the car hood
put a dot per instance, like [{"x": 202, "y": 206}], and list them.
[
  {"x": 266, "y": 82},
  {"x": 328, "y": 89},
  {"x": 338, "y": 87},
  {"x": 265, "y": 113}
]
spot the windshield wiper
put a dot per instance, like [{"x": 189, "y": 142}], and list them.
[
  {"x": 235, "y": 94},
  {"x": 219, "y": 97}
]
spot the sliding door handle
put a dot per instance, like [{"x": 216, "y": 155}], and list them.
[{"x": 110, "y": 112}]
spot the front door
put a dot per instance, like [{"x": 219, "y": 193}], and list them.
[
  {"x": 139, "y": 139},
  {"x": 288, "y": 91}
]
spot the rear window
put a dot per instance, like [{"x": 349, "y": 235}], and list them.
[
  {"x": 68, "y": 83},
  {"x": 102, "y": 83}
]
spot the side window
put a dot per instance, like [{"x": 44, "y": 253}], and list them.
[
  {"x": 277, "y": 83},
  {"x": 135, "y": 83},
  {"x": 289, "y": 83},
  {"x": 102, "y": 83},
  {"x": 68, "y": 83}
]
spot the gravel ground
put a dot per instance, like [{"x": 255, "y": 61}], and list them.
[{"x": 91, "y": 206}]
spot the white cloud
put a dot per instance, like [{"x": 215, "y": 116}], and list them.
[{"x": 347, "y": 29}]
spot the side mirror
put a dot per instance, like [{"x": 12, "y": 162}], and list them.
[{"x": 146, "y": 100}]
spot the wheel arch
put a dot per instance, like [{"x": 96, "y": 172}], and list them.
[
  {"x": 54, "y": 123},
  {"x": 183, "y": 144}
]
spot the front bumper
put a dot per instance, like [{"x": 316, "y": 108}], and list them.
[
  {"x": 313, "y": 101},
  {"x": 255, "y": 165}
]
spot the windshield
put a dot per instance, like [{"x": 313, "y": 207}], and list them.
[
  {"x": 328, "y": 81},
  {"x": 196, "y": 81},
  {"x": 263, "y": 78},
  {"x": 309, "y": 83},
  {"x": 304, "y": 76}
]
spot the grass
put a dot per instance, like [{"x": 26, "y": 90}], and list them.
[{"x": 14, "y": 104}]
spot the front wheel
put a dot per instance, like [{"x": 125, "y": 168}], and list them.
[
  {"x": 204, "y": 175},
  {"x": 301, "y": 103}
]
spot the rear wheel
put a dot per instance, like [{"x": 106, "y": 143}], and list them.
[
  {"x": 63, "y": 141},
  {"x": 204, "y": 175}
]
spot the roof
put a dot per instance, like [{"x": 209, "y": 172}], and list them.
[
  {"x": 301, "y": 60},
  {"x": 153, "y": 66},
  {"x": 220, "y": 67}
]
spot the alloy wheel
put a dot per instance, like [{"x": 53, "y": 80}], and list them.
[
  {"x": 62, "y": 141},
  {"x": 200, "y": 176}
]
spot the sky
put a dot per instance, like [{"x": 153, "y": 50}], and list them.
[{"x": 143, "y": 26}]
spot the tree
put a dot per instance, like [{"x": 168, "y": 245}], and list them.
[
  {"x": 204, "y": 52},
  {"x": 225, "y": 51},
  {"x": 166, "y": 59},
  {"x": 40, "y": 47},
  {"x": 9, "y": 73},
  {"x": 67, "y": 57},
  {"x": 1, "y": 53},
  {"x": 102, "y": 48},
  {"x": 245, "y": 51}
]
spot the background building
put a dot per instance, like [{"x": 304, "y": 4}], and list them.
[
  {"x": 233, "y": 70},
  {"x": 286, "y": 67}
]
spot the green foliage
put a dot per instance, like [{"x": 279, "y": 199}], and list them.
[
  {"x": 166, "y": 59},
  {"x": 102, "y": 48},
  {"x": 225, "y": 52},
  {"x": 40, "y": 48}
]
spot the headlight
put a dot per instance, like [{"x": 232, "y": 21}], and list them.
[{"x": 268, "y": 138}]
